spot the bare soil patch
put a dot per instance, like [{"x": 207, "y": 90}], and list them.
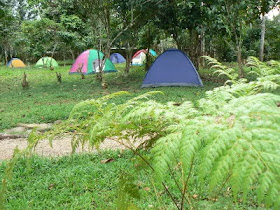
[{"x": 60, "y": 147}]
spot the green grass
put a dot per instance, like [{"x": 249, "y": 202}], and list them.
[
  {"x": 83, "y": 182},
  {"x": 47, "y": 101}
]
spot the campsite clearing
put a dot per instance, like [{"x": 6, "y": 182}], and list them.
[{"x": 47, "y": 101}]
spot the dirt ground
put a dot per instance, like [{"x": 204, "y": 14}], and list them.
[{"x": 61, "y": 147}]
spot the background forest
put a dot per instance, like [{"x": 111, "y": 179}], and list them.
[
  {"x": 211, "y": 147},
  {"x": 227, "y": 30}
]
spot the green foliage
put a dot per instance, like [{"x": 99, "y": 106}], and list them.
[
  {"x": 268, "y": 78},
  {"x": 272, "y": 44},
  {"x": 262, "y": 69},
  {"x": 231, "y": 137},
  {"x": 83, "y": 182},
  {"x": 73, "y": 182},
  {"x": 127, "y": 189},
  {"x": 222, "y": 69}
]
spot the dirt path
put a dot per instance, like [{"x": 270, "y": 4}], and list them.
[{"x": 61, "y": 147}]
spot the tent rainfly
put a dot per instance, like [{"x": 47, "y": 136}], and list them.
[
  {"x": 46, "y": 62},
  {"x": 140, "y": 56},
  {"x": 89, "y": 63},
  {"x": 16, "y": 62},
  {"x": 117, "y": 58},
  {"x": 172, "y": 68}
]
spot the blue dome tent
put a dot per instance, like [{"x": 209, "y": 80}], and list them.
[
  {"x": 117, "y": 58},
  {"x": 172, "y": 68}
]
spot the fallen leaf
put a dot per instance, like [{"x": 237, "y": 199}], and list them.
[
  {"x": 195, "y": 196},
  {"x": 147, "y": 189},
  {"x": 107, "y": 160},
  {"x": 51, "y": 186}
]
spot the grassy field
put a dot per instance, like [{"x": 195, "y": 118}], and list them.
[
  {"x": 46, "y": 100},
  {"x": 82, "y": 181}
]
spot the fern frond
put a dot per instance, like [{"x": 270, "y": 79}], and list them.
[
  {"x": 232, "y": 135},
  {"x": 262, "y": 69},
  {"x": 239, "y": 144},
  {"x": 275, "y": 64},
  {"x": 222, "y": 70}
]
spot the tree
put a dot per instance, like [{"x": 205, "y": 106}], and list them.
[
  {"x": 8, "y": 26},
  {"x": 262, "y": 38},
  {"x": 272, "y": 42},
  {"x": 42, "y": 36},
  {"x": 236, "y": 16}
]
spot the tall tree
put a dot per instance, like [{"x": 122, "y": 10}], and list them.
[
  {"x": 262, "y": 37},
  {"x": 236, "y": 16},
  {"x": 273, "y": 38},
  {"x": 8, "y": 27}
]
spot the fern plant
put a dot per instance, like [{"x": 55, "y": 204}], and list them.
[
  {"x": 262, "y": 69},
  {"x": 275, "y": 64},
  {"x": 230, "y": 138},
  {"x": 221, "y": 69}
]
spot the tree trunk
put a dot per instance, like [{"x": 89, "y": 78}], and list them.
[
  {"x": 64, "y": 64},
  {"x": 239, "y": 60},
  {"x": 179, "y": 46},
  {"x": 73, "y": 56},
  {"x": 202, "y": 61},
  {"x": 6, "y": 59},
  {"x": 148, "y": 56},
  {"x": 54, "y": 48},
  {"x": 11, "y": 53},
  {"x": 127, "y": 65},
  {"x": 194, "y": 51},
  {"x": 128, "y": 57},
  {"x": 262, "y": 38}
]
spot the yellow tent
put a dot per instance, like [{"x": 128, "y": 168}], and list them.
[{"x": 16, "y": 62}]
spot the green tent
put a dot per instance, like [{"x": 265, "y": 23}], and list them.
[
  {"x": 47, "y": 62},
  {"x": 88, "y": 63}
]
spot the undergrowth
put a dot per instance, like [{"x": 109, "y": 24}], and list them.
[{"x": 228, "y": 142}]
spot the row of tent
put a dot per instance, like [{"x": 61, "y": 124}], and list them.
[
  {"x": 89, "y": 61},
  {"x": 138, "y": 59},
  {"x": 45, "y": 61},
  {"x": 171, "y": 68}
]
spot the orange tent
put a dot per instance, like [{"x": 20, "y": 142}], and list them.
[{"x": 16, "y": 62}]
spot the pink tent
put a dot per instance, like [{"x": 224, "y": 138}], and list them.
[{"x": 88, "y": 63}]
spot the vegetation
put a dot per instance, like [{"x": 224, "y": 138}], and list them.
[
  {"x": 189, "y": 148},
  {"x": 83, "y": 182},
  {"x": 225, "y": 143},
  {"x": 34, "y": 28},
  {"x": 47, "y": 101}
]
